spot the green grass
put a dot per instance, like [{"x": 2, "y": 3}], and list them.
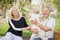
[
  {"x": 26, "y": 33},
  {"x": 57, "y": 24},
  {"x": 4, "y": 27}
]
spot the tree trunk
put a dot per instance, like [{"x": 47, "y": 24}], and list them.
[
  {"x": 4, "y": 8},
  {"x": 17, "y": 4}
]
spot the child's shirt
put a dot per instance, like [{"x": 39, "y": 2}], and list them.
[{"x": 35, "y": 17}]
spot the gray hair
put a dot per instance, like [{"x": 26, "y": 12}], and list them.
[{"x": 49, "y": 8}]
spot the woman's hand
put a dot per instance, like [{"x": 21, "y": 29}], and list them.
[
  {"x": 26, "y": 28},
  {"x": 23, "y": 29}
]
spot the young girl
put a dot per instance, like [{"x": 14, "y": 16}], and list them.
[{"x": 35, "y": 15}]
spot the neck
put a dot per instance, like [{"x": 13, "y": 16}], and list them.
[
  {"x": 16, "y": 17},
  {"x": 46, "y": 16}
]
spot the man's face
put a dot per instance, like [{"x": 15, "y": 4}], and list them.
[{"x": 46, "y": 12}]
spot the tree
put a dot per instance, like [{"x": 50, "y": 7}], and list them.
[
  {"x": 24, "y": 5},
  {"x": 9, "y": 4},
  {"x": 4, "y": 7},
  {"x": 57, "y": 5}
]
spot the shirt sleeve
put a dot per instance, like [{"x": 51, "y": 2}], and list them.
[
  {"x": 51, "y": 24},
  {"x": 11, "y": 24}
]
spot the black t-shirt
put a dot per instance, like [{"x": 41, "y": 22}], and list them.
[{"x": 18, "y": 24}]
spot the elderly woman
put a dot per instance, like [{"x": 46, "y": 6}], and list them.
[{"x": 17, "y": 25}]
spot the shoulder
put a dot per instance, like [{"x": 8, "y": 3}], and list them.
[
  {"x": 9, "y": 19},
  {"x": 52, "y": 20},
  {"x": 22, "y": 18}
]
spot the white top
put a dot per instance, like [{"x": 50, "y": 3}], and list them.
[
  {"x": 50, "y": 22},
  {"x": 35, "y": 17}
]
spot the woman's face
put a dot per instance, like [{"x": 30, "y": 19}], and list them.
[{"x": 15, "y": 12}]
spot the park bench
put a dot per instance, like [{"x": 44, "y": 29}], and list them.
[{"x": 57, "y": 35}]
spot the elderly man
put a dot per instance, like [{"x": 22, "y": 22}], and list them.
[{"x": 46, "y": 26}]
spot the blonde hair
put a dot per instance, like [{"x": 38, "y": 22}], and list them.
[{"x": 20, "y": 14}]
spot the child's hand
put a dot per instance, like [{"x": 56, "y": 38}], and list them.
[{"x": 34, "y": 31}]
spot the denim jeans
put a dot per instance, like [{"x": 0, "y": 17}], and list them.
[
  {"x": 41, "y": 39},
  {"x": 37, "y": 39},
  {"x": 50, "y": 39},
  {"x": 10, "y": 36}
]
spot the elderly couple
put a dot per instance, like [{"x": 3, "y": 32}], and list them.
[{"x": 42, "y": 28}]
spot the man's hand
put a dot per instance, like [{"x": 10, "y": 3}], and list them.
[{"x": 34, "y": 31}]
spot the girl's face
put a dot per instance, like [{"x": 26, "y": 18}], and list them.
[{"x": 36, "y": 10}]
